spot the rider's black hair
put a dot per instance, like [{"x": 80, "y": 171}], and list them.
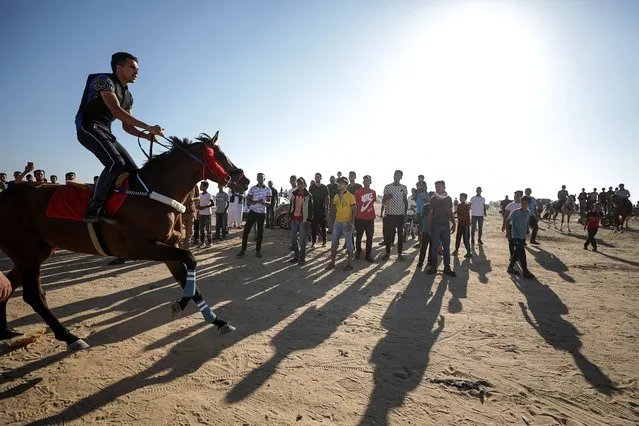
[{"x": 119, "y": 58}]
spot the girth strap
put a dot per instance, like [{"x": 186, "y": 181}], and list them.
[{"x": 97, "y": 238}]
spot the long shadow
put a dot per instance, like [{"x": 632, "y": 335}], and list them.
[
  {"x": 314, "y": 326},
  {"x": 619, "y": 259},
  {"x": 585, "y": 237},
  {"x": 550, "y": 262},
  {"x": 458, "y": 286},
  {"x": 547, "y": 310},
  {"x": 401, "y": 357},
  {"x": 244, "y": 307},
  {"x": 480, "y": 265}
]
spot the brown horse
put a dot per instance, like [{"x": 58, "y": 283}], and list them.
[{"x": 144, "y": 228}]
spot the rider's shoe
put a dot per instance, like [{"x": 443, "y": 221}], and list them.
[{"x": 95, "y": 211}]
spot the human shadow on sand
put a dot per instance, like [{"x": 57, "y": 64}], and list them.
[
  {"x": 550, "y": 262},
  {"x": 401, "y": 357},
  {"x": 547, "y": 311}
]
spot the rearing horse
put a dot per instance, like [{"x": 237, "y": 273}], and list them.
[
  {"x": 567, "y": 209},
  {"x": 144, "y": 228}
]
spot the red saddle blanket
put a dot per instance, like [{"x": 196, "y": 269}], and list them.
[{"x": 71, "y": 201}]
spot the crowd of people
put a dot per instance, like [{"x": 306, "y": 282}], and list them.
[{"x": 346, "y": 210}]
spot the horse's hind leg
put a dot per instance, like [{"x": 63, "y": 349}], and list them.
[{"x": 5, "y": 332}]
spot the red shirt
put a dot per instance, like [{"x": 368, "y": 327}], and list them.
[
  {"x": 298, "y": 214},
  {"x": 593, "y": 219},
  {"x": 463, "y": 214},
  {"x": 365, "y": 199}
]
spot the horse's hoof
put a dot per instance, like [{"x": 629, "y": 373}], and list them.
[
  {"x": 226, "y": 328},
  {"x": 78, "y": 345},
  {"x": 176, "y": 311},
  {"x": 9, "y": 334}
]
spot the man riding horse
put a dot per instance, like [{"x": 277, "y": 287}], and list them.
[
  {"x": 105, "y": 98},
  {"x": 622, "y": 206}
]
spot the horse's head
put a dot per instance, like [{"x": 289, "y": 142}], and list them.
[{"x": 219, "y": 168}]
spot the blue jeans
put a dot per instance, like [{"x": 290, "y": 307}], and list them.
[
  {"x": 440, "y": 235},
  {"x": 339, "y": 230},
  {"x": 299, "y": 227}
]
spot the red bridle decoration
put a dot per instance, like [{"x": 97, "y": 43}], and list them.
[{"x": 218, "y": 174}]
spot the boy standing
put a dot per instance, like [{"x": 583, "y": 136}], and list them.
[
  {"x": 592, "y": 223},
  {"x": 344, "y": 212},
  {"x": 440, "y": 217},
  {"x": 463, "y": 225},
  {"x": 518, "y": 223},
  {"x": 221, "y": 207},
  {"x": 365, "y": 220},
  {"x": 206, "y": 202},
  {"x": 300, "y": 213},
  {"x": 478, "y": 210},
  {"x": 425, "y": 240}
]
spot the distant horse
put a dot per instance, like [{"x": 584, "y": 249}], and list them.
[
  {"x": 567, "y": 209},
  {"x": 148, "y": 226},
  {"x": 622, "y": 210}
]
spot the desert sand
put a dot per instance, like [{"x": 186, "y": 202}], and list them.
[{"x": 384, "y": 344}]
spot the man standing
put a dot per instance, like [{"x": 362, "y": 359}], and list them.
[
  {"x": 518, "y": 224},
  {"x": 352, "y": 186},
  {"x": 365, "y": 220},
  {"x": 221, "y": 208},
  {"x": 54, "y": 179},
  {"x": 40, "y": 177},
  {"x": 439, "y": 219},
  {"x": 507, "y": 211},
  {"x": 463, "y": 225},
  {"x": 395, "y": 207},
  {"x": 18, "y": 177},
  {"x": 206, "y": 202},
  {"x": 503, "y": 204},
  {"x": 344, "y": 211},
  {"x": 320, "y": 194},
  {"x": 257, "y": 200},
  {"x": 332, "y": 192},
  {"x": 300, "y": 212},
  {"x": 69, "y": 177},
  {"x": 478, "y": 212},
  {"x": 603, "y": 200},
  {"x": 583, "y": 199},
  {"x": 592, "y": 198},
  {"x": 270, "y": 211},
  {"x": 562, "y": 196},
  {"x": 188, "y": 218},
  {"x": 532, "y": 222},
  {"x": 106, "y": 98}
]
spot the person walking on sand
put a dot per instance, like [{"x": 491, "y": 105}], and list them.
[
  {"x": 518, "y": 223},
  {"x": 365, "y": 220},
  {"x": 478, "y": 210},
  {"x": 532, "y": 222},
  {"x": 301, "y": 214},
  {"x": 516, "y": 204},
  {"x": 593, "y": 218},
  {"x": 463, "y": 225},
  {"x": 258, "y": 200},
  {"x": 344, "y": 211},
  {"x": 439, "y": 219},
  {"x": 396, "y": 206}
]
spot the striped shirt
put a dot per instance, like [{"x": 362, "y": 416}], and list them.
[{"x": 396, "y": 204}]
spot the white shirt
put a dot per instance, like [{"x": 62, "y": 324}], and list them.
[
  {"x": 512, "y": 207},
  {"x": 259, "y": 194},
  {"x": 477, "y": 204},
  {"x": 205, "y": 200}
]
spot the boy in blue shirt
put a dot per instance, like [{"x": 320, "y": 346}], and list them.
[{"x": 518, "y": 223}]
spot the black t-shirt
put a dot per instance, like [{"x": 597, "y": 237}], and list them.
[
  {"x": 319, "y": 193},
  {"x": 274, "y": 198},
  {"x": 352, "y": 187},
  {"x": 439, "y": 209},
  {"x": 92, "y": 108},
  {"x": 332, "y": 189}
]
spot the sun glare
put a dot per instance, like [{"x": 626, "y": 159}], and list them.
[{"x": 473, "y": 71}]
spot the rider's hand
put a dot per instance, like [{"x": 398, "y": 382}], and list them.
[{"x": 156, "y": 130}]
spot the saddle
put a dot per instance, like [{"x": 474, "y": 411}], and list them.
[{"x": 71, "y": 200}]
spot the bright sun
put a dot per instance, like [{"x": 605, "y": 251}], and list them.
[{"x": 475, "y": 70}]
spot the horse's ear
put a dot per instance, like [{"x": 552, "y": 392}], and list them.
[{"x": 215, "y": 137}]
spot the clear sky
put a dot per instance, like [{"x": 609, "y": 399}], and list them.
[{"x": 503, "y": 94}]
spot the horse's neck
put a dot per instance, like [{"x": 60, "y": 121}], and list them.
[{"x": 176, "y": 183}]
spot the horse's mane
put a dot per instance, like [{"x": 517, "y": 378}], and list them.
[{"x": 160, "y": 160}]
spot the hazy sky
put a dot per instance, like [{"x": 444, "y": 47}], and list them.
[{"x": 502, "y": 94}]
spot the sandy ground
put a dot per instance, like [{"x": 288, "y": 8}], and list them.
[{"x": 375, "y": 346}]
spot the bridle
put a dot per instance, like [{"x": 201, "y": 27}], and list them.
[{"x": 205, "y": 167}]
